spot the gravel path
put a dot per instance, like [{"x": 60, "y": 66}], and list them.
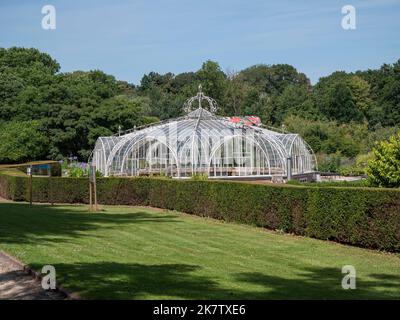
[{"x": 15, "y": 284}]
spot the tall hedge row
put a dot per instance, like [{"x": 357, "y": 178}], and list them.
[{"x": 360, "y": 216}]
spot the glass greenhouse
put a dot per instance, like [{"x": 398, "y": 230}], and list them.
[{"x": 203, "y": 143}]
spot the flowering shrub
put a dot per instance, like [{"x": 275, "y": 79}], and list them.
[{"x": 78, "y": 170}]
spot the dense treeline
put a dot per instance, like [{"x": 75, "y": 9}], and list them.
[
  {"x": 62, "y": 114},
  {"x": 48, "y": 114}
]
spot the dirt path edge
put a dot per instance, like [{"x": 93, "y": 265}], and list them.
[{"x": 69, "y": 295}]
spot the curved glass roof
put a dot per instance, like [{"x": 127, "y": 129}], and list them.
[{"x": 203, "y": 143}]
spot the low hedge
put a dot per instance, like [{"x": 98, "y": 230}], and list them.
[{"x": 364, "y": 217}]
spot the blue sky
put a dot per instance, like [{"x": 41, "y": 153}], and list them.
[{"x": 130, "y": 38}]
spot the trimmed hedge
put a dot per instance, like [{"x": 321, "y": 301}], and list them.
[{"x": 364, "y": 217}]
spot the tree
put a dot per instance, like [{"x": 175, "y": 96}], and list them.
[
  {"x": 271, "y": 91},
  {"x": 385, "y": 93},
  {"x": 384, "y": 169},
  {"x": 329, "y": 163},
  {"x": 23, "y": 59},
  {"x": 22, "y": 141},
  {"x": 330, "y": 137},
  {"x": 121, "y": 111},
  {"x": 273, "y": 79},
  {"x": 343, "y": 104},
  {"x": 341, "y": 116},
  {"x": 181, "y": 82},
  {"x": 213, "y": 80},
  {"x": 342, "y": 97},
  {"x": 361, "y": 91},
  {"x": 235, "y": 93},
  {"x": 251, "y": 103},
  {"x": 390, "y": 98},
  {"x": 294, "y": 100},
  {"x": 10, "y": 87},
  {"x": 154, "y": 79},
  {"x": 340, "y": 105}
]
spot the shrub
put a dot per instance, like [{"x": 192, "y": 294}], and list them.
[
  {"x": 384, "y": 169},
  {"x": 365, "y": 217},
  {"x": 199, "y": 176},
  {"x": 333, "y": 183},
  {"x": 77, "y": 172}
]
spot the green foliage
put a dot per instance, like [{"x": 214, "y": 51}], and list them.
[
  {"x": 385, "y": 93},
  {"x": 329, "y": 163},
  {"x": 166, "y": 93},
  {"x": 22, "y": 141},
  {"x": 22, "y": 58},
  {"x": 73, "y": 108},
  {"x": 358, "y": 166},
  {"x": 341, "y": 116},
  {"x": 270, "y": 92},
  {"x": 294, "y": 100},
  {"x": 384, "y": 169},
  {"x": 360, "y": 216},
  {"x": 199, "y": 176},
  {"x": 273, "y": 79},
  {"x": 361, "y": 91},
  {"x": 335, "y": 99},
  {"x": 329, "y": 137},
  {"x": 342, "y": 105},
  {"x": 363, "y": 183},
  {"x": 213, "y": 80},
  {"x": 77, "y": 172}
]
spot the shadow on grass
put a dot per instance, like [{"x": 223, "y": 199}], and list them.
[
  {"x": 323, "y": 283},
  {"x": 107, "y": 280},
  {"x": 20, "y": 223},
  {"x": 110, "y": 280}
]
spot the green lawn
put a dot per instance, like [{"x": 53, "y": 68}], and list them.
[{"x": 137, "y": 253}]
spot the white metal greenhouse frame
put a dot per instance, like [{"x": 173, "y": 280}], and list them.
[{"x": 202, "y": 143}]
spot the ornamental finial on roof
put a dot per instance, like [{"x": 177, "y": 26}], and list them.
[{"x": 212, "y": 104}]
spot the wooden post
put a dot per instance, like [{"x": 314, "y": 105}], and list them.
[
  {"x": 51, "y": 191},
  {"x": 96, "y": 208},
  {"x": 92, "y": 188},
  {"x": 30, "y": 185},
  {"x": 90, "y": 196},
  {"x": 50, "y": 186}
]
